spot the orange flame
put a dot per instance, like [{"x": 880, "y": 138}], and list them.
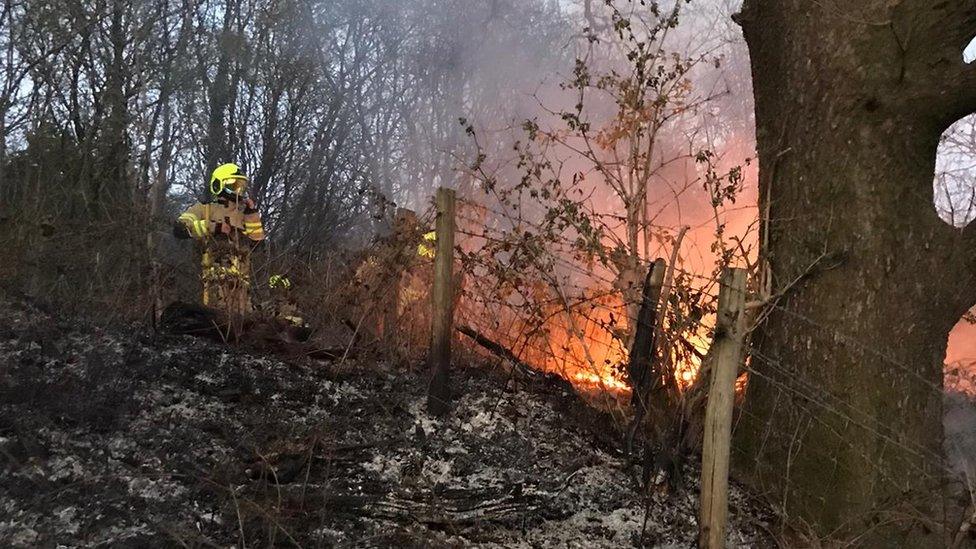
[{"x": 586, "y": 351}]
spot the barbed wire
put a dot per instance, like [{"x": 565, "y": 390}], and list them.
[
  {"x": 793, "y": 436},
  {"x": 819, "y": 396},
  {"x": 862, "y": 347},
  {"x": 711, "y": 280}
]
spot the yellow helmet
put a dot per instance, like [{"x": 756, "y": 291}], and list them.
[{"x": 227, "y": 176}]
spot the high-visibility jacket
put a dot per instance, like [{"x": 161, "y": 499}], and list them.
[
  {"x": 224, "y": 219},
  {"x": 227, "y": 229}
]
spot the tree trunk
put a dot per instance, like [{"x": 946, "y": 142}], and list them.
[
  {"x": 111, "y": 184},
  {"x": 842, "y": 425},
  {"x": 217, "y": 148}
]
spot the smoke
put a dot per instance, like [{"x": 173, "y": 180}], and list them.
[
  {"x": 960, "y": 436},
  {"x": 723, "y": 122},
  {"x": 513, "y": 80}
]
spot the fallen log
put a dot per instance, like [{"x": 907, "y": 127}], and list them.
[
  {"x": 192, "y": 319},
  {"x": 498, "y": 350},
  {"x": 554, "y": 382}
]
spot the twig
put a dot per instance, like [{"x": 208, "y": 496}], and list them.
[
  {"x": 352, "y": 340},
  {"x": 240, "y": 521},
  {"x": 666, "y": 288},
  {"x": 964, "y": 528}
]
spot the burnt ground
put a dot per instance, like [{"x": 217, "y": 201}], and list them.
[{"x": 128, "y": 439}]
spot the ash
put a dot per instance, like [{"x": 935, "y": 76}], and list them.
[{"x": 126, "y": 439}]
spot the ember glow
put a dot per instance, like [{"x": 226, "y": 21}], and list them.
[{"x": 686, "y": 372}]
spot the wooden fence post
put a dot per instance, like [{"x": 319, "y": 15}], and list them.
[
  {"x": 639, "y": 364},
  {"x": 641, "y": 352},
  {"x": 442, "y": 317},
  {"x": 724, "y": 357}
]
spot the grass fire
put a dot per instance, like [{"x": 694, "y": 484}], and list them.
[{"x": 518, "y": 273}]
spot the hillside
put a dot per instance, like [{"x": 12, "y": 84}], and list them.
[{"x": 126, "y": 439}]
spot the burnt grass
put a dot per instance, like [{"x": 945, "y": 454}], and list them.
[{"x": 126, "y": 438}]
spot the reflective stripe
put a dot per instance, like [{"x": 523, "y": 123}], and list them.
[
  {"x": 253, "y": 228},
  {"x": 217, "y": 272},
  {"x": 252, "y": 222},
  {"x": 195, "y": 224},
  {"x": 200, "y": 227},
  {"x": 276, "y": 281},
  {"x": 207, "y": 262},
  {"x": 428, "y": 246}
]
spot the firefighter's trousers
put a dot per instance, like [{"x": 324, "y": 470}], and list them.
[{"x": 227, "y": 283}]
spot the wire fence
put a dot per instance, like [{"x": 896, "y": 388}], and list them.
[{"x": 878, "y": 440}]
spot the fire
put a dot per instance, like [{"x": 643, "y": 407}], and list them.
[
  {"x": 587, "y": 348},
  {"x": 574, "y": 324},
  {"x": 583, "y": 338},
  {"x": 688, "y": 369},
  {"x": 606, "y": 382},
  {"x": 589, "y": 354}
]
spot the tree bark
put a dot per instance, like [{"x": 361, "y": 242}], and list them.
[{"x": 842, "y": 424}]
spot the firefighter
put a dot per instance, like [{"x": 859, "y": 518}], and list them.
[
  {"x": 228, "y": 227},
  {"x": 417, "y": 271},
  {"x": 417, "y": 246},
  {"x": 379, "y": 279}
]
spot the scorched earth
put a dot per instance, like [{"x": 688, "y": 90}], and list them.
[{"x": 130, "y": 439}]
